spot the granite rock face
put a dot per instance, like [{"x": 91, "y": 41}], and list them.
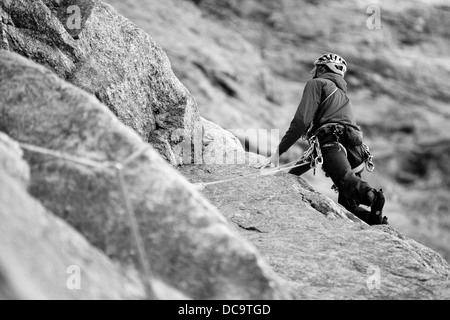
[
  {"x": 286, "y": 240},
  {"x": 42, "y": 257},
  {"x": 246, "y": 64},
  {"x": 222, "y": 147},
  {"x": 89, "y": 44},
  {"x": 324, "y": 251},
  {"x": 187, "y": 242}
]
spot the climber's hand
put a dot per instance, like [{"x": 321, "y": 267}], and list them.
[
  {"x": 273, "y": 161},
  {"x": 262, "y": 165}
]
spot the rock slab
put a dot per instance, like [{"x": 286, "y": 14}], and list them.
[{"x": 187, "y": 241}]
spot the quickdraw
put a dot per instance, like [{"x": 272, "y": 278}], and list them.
[
  {"x": 370, "y": 166},
  {"x": 314, "y": 153}
]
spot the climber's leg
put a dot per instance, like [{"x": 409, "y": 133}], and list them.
[
  {"x": 354, "y": 208},
  {"x": 337, "y": 167},
  {"x": 351, "y": 185}
]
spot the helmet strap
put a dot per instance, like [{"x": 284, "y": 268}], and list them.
[{"x": 313, "y": 72}]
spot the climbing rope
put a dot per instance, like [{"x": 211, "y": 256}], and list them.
[
  {"x": 118, "y": 167},
  {"x": 262, "y": 172},
  {"x": 312, "y": 156},
  {"x": 60, "y": 155}
]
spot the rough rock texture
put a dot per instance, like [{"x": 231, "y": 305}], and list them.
[
  {"x": 187, "y": 241},
  {"x": 38, "y": 250},
  {"x": 225, "y": 73},
  {"x": 73, "y": 14},
  {"x": 323, "y": 250},
  {"x": 246, "y": 63},
  {"x": 111, "y": 58},
  {"x": 10, "y": 160},
  {"x": 222, "y": 147}
]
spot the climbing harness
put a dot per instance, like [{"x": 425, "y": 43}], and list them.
[{"x": 337, "y": 129}]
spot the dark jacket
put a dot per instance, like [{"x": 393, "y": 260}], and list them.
[{"x": 337, "y": 108}]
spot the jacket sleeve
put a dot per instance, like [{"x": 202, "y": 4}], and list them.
[{"x": 305, "y": 114}]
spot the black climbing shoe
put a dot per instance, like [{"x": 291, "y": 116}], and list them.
[
  {"x": 361, "y": 213},
  {"x": 376, "y": 210}
]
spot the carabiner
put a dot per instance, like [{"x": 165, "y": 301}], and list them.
[
  {"x": 370, "y": 166},
  {"x": 319, "y": 160}
]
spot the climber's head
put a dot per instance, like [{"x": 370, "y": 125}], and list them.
[{"x": 329, "y": 62}]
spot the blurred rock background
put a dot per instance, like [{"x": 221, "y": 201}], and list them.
[{"x": 246, "y": 63}]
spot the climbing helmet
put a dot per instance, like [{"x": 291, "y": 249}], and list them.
[{"x": 336, "y": 63}]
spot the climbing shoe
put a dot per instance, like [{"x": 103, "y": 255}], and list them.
[{"x": 376, "y": 210}]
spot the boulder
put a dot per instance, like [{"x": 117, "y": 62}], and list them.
[
  {"x": 323, "y": 250},
  {"x": 186, "y": 241},
  {"x": 108, "y": 56},
  {"x": 42, "y": 257},
  {"x": 222, "y": 147}
]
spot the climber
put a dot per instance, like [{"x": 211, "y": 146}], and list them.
[{"x": 325, "y": 115}]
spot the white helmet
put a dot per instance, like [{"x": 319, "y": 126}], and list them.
[{"x": 336, "y": 63}]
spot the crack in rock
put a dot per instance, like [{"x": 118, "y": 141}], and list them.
[{"x": 248, "y": 228}]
